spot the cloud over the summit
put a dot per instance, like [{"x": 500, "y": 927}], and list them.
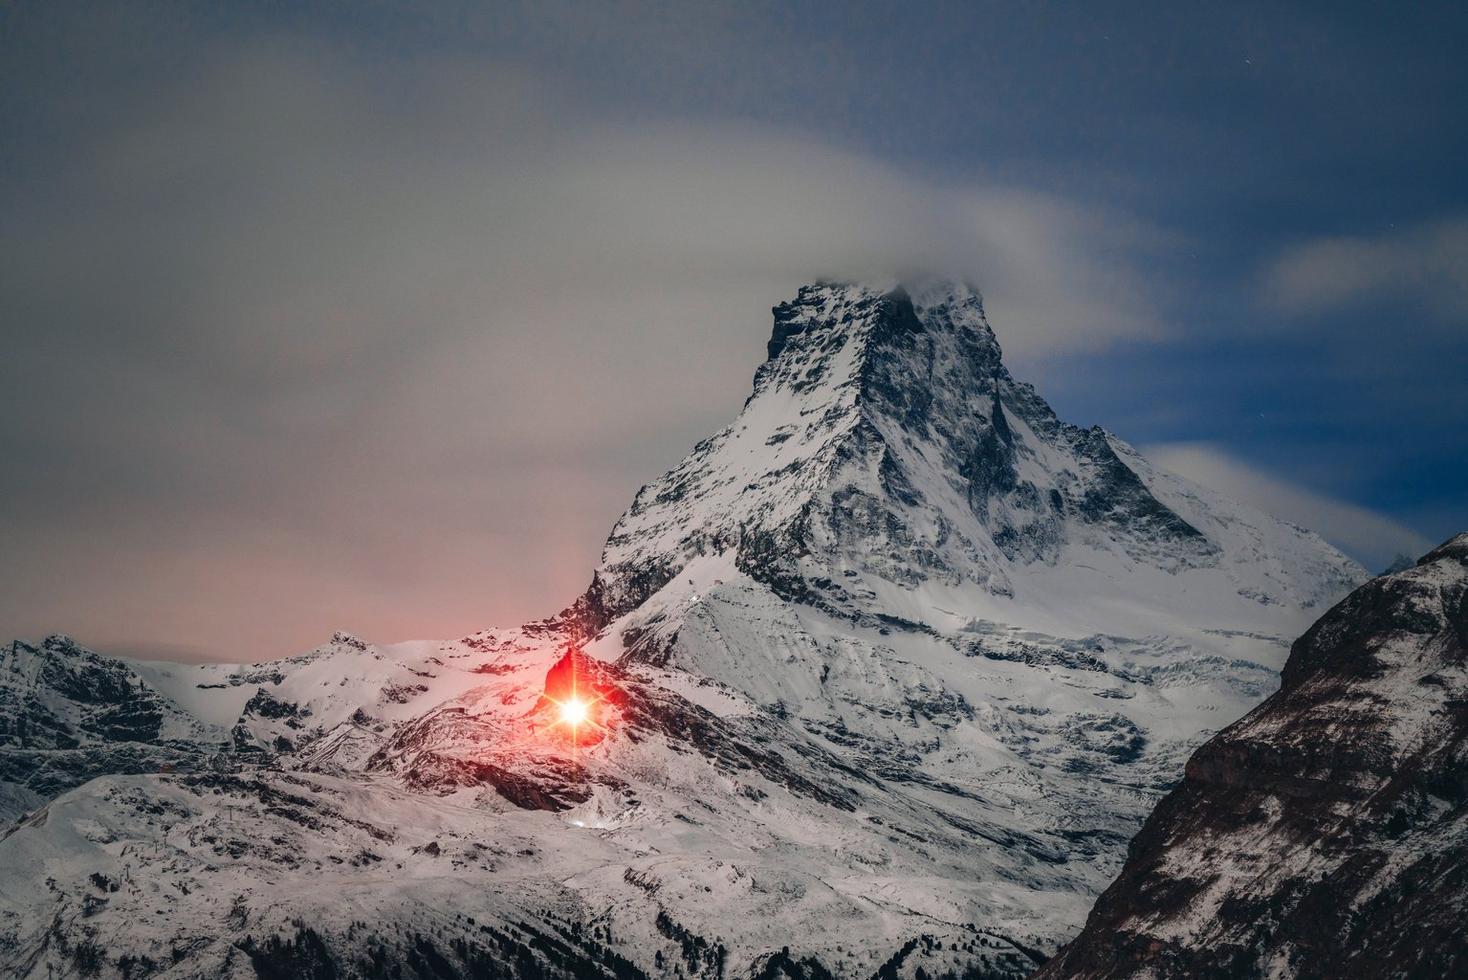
[
  {"x": 291, "y": 304},
  {"x": 377, "y": 316}
]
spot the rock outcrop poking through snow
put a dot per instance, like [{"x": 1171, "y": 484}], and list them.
[
  {"x": 68, "y": 714},
  {"x": 1325, "y": 835}
]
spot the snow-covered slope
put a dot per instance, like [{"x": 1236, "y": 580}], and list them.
[
  {"x": 1326, "y": 834},
  {"x": 890, "y": 669},
  {"x": 344, "y": 691},
  {"x": 68, "y": 714}
]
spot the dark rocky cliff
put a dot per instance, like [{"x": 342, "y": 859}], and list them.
[{"x": 1325, "y": 835}]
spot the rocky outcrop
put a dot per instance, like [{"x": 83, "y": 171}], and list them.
[
  {"x": 1325, "y": 835},
  {"x": 68, "y": 714}
]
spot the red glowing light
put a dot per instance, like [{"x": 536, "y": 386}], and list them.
[
  {"x": 573, "y": 712},
  {"x": 578, "y": 699}
]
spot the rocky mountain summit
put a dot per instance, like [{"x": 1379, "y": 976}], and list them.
[
  {"x": 882, "y": 678},
  {"x": 1326, "y": 833},
  {"x": 886, "y": 447}
]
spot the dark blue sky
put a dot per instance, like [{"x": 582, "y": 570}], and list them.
[{"x": 373, "y": 317}]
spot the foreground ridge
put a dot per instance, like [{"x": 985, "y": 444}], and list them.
[{"x": 1325, "y": 834}]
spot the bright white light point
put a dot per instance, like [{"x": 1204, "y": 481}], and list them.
[{"x": 573, "y": 711}]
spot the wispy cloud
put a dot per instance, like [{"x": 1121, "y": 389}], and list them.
[
  {"x": 1370, "y": 537},
  {"x": 303, "y": 301},
  {"x": 1426, "y": 265}
]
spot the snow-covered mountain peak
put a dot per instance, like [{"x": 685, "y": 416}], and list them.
[
  {"x": 886, "y": 449},
  {"x": 1455, "y": 547},
  {"x": 826, "y": 314}
]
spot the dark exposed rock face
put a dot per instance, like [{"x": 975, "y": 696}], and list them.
[
  {"x": 267, "y": 705},
  {"x": 1325, "y": 835},
  {"x": 68, "y": 714}
]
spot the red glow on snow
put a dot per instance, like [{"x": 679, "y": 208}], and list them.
[{"x": 578, "y": 699}]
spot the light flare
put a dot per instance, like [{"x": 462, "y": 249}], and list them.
[{"x": 573, "y": 711}]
